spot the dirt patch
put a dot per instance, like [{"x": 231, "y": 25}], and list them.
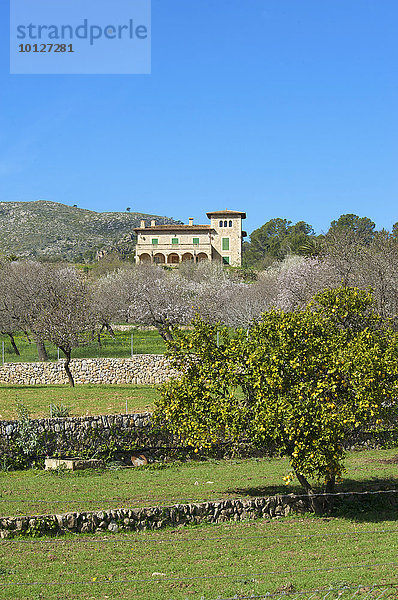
[
  {"x": 390, "y": 461},
  {"x": 383, "y": 461}
]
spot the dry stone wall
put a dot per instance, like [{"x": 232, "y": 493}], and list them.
[
  {"x": 141, "y": 519},
  {"x": 74, "y": 427},
  {"x": 105, "y": 436},
  {"x": 120, "y": 436},
  {"x": 108, "y": 437},
  {"x": 139, "y": 369}
]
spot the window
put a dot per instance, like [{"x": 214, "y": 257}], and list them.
[
  {"x": 195, "y": 241},
  {"x": 155, "y": 241},
  {"x": 220, "y": 224},
  {"x": 230, "y": 223},
  {"x": 225, "y": 260},
  {"x": 174, "y": 241},
  {"x": 225, "y": 243},
  {"x": 225, "y": 223}
]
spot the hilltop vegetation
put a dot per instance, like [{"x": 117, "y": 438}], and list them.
[{"x": 53, "y": 231}]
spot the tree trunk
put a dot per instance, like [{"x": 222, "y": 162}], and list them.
[
  {"x": 319, "y": 504},
  {"x": 310, "y": 492},
  {"x": 110, "y": 330},
  {"x": 164, "y": 332},
  {"x": 13, "y": 344},
  {"x": 329, "y": 500},
  {"x": 68, "y": 353},
  {"x": 99, "y": 341},
  {"x": 329, "y": 489},
  {"x": 41, "y": 350}
]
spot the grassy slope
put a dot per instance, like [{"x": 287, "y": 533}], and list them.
[
  {"x": 80, "y": 400},
  {"x": 144, "y": 342},
  {"x": 355, "y": 547},
  {"x": 42, "y": 492},
  {"x": 208, "y": 562},
  {"x": 83, "y": 399},
  {"x": 51, "y": 229}
]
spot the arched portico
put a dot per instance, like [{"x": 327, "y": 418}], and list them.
[
  {"x": 202, "y": 256},
  {"x": 159, "y": 259},
  {"x": 145, "y": 259},
  {"x": 187, "y": 257},
  {"x": 173, "y": 259}
]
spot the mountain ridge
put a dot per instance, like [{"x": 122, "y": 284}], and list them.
[{"x": 48, "y": 230}]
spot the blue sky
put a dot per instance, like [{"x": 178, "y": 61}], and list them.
[{"x": 281, "y": 108}]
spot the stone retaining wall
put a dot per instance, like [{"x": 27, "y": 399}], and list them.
[
  {"x": 141, "y": 519},
  {"x": 104, "y": 436},
  {"x": 118, "y": 436},
  {"x": 74, "y": 427},
  {"x": 108, "y": 437},
  {"x": 139, "y": 369}
]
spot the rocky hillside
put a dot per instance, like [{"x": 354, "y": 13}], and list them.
[{"x": 56, "y": 231}]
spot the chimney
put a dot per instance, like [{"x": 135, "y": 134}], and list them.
[
  {"x": 142, "y": 224},
  {"x": 153, "y": 223},
  {"x": 191, "y": 221}
]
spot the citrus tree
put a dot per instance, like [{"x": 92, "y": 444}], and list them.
[{"x": 300, "y": 382}]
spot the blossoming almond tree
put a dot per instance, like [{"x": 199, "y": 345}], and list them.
[
  {"x": 161, "y": 299},
  {"x": 67, "y": 317},
  {"x": 53, "y": 303}
]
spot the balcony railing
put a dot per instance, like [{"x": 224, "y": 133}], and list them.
[{"x": 148, "y": 246}]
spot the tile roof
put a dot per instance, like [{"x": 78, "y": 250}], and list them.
[{"x": 226, "y": 212}]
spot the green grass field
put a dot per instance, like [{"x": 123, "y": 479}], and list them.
[
  {"x": 81, "y": 400},
  {"x": 229, "y": 560},
  {"x": 43, "y": 492},
  {"x": 356, "y": 546},
  {"x": 144, "y": 342}
]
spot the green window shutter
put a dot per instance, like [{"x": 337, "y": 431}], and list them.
[
  {"x": 174, "y": 241},
  {"x": 225, "y": 260},
  {"x": 155, "y": 241},
  {"x": 225, "y": 243},
  {"x": 195, "y": 241}
]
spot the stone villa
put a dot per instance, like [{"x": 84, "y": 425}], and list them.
[{"x": 219, "y": 241}]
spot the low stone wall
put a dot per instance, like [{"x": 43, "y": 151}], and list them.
[
  {"x": 104, "y": 436},
  {"x": 139, "y": 369},
  {"x": 74, "y": 427},
  {"x": 141, "y": 519},
  {"x": 117, "y": 437}
]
